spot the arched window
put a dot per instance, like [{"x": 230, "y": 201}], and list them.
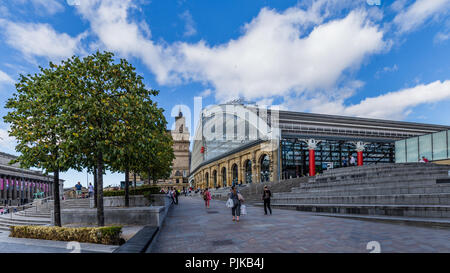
[
  {"x": 265, "y": 170},
  {"x": 224, "y": 177},
  {"x": 207, "y": 180},
  {"x": 248, "y": 171},
  {"x": 234, "y": 171}
]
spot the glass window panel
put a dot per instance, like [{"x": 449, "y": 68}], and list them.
[
  {"x": 448, "y": 144},
  {"x": 412, "y": 149},
  {"x": 425, "y": 147},
  {"x": 440, "y": 145},
  {"x": 400, "y": 151}
]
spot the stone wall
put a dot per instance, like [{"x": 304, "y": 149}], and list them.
[
  {"x": 119, "y": 201},
  {"x": 147, "y": 216}
]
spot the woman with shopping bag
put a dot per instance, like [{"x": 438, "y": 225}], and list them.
[{"x": 236, "y": 198}]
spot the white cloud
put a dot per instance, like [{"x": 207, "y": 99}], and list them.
[
  {"x": 108, "y": 20},
  {"x": 271, "y": 59},
  {"x": 5, "y": 78},
  {"x": 392, "y": 105},
  {"x": 7, "y": 143},
  {"x": 40, "y": 40},
  {"x": 189, "y": 24},
  {"x": 51, "y": 6},
  {"x": 441, "y": 37},
  {"x": 419, "y": 12},
  {"x": 277, "y": 53},
  {"x": 206, "y": 93},
  {"x": 398, "y": 103}
]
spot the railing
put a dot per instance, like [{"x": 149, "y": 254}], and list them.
[{"x": 44, "y": 203}]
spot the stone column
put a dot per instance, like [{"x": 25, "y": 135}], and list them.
[
  {"x": 2, "y": 190},
  {"x": 14, "y": 189},
  {"x": 8, "y": 189}
]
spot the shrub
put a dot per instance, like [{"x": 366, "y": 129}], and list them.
[{"x": 97, "y": 235}]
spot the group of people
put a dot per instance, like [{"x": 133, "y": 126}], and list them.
[
  {"x": 4, "y": 210},
  {"x": 79, "y": 188},
  {"x": 237, "y": 201},
  {"x": 351, "y": 161},
  {"x": 173, "y": 194}
]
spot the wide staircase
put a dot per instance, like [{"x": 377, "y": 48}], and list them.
[
  {"x": 414, "y": 190},
  {"x": 253, "y": 192},
  {"x": 38, "y": 213}
]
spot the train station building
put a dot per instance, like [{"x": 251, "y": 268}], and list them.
[{"x": 240, "y": 143}]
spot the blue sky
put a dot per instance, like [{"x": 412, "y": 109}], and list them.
[{"x": 354, "y": 58}]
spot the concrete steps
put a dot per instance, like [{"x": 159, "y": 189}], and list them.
[
  {"x": 40, "y": 216},
  {"x": 421, "y": 211},
  {"x": 409, "y": 189}
]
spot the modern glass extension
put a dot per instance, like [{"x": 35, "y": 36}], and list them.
[
  {"x": 435, "y": 147},
  {"x": 329, "y": 154}
]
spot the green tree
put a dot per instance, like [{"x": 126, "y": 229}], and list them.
[
  {"x": 112, "y": 113},
  {"x": 158, "y": 157},
  {"x": 39, "y": 124}
]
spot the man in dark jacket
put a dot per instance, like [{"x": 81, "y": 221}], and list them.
[{"x": 266, "y": 197}]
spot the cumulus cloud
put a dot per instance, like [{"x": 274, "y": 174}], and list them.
[
  {"x": 7, "y": 143},
  {"x": 418, "y": 13},
  {"x": 271, "y": 58},
  {"x": 40, "y": 40},
  {"x": 109, "y": 22},
  {"x": 5, "y": 78},
  {"x": 393, "y": 105},
  {"x": 277, "y": 53}
]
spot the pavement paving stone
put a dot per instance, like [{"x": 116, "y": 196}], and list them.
[{"x": 190, "y": 228}]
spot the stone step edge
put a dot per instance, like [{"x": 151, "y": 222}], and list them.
[
  {"x": 416, "y": 221},
  {"x": 446, "y": 207},
  {"x": 426, "y": 195}
]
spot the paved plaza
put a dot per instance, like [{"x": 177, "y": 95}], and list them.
[{"x": 190, "y": 227}]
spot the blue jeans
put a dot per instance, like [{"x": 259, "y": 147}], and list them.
[{"x": 236, "y": 210}]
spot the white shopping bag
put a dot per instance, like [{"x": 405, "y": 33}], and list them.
[
  {"x": 243, "y": 210},
  {"x": 230, "y": 203}
]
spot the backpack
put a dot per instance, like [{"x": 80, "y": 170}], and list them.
[{"x": 205, "y": 197}]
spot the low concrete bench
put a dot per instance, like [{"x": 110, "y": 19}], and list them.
[{"x": 139, "y": 242}]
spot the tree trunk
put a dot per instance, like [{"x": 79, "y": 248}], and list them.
[
  {"x": 56, "y": 200},
  {"x": 100, "y": 212},
  {"x": 95, "y": 187},
  {"x": 127, "y": 187},
  {"x": 149, "y": 172},
  {"x": 134, "y": 180}
]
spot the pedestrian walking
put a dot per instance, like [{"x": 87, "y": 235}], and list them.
[
  {"x": 175, "y": 195},
  {"x": 352, "y": 161},
  {"x": 78, "y": 188},
  {"x": 170, "y": 195},
  {"x": 91, "y": 190},
  {"x": 344, "y": 162},
  {"x": 207, "y": 197},
  {"x": 266, "y": 198},
  {"x": 237, "y": 198}
]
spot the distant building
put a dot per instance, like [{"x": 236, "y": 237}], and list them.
[
  {"x": 18, "y": 185},
  {"x": 180, "y": 165}
]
